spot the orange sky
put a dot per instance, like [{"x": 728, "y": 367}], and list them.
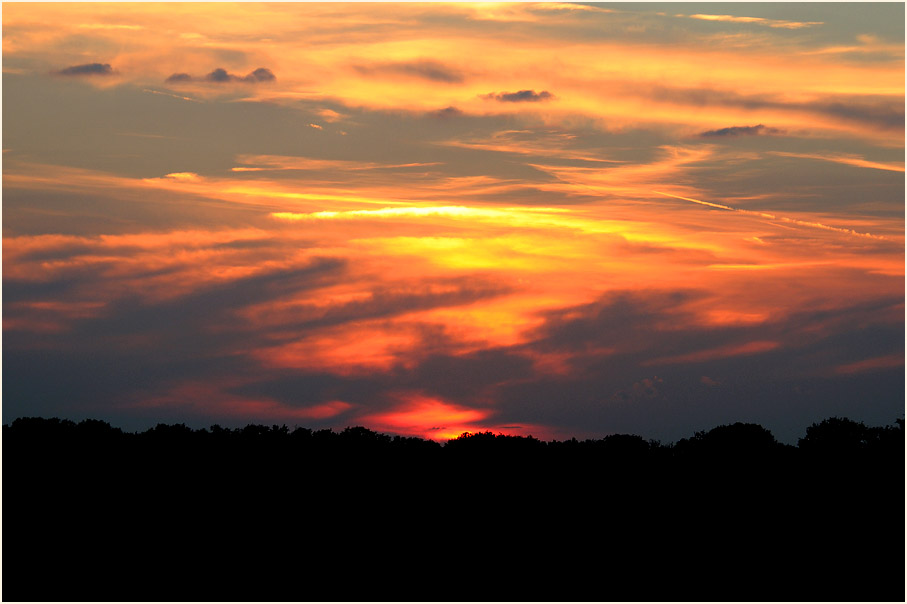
[{"x": 550, "y": 218}]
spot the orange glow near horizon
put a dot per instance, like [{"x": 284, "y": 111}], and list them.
[
  {"x": 427, "y": 418},
  {"x": 435, "y": 419}
]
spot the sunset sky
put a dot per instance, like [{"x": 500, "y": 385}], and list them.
[{"x": 532, "y": 218}]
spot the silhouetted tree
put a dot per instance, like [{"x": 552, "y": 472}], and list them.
[
  {"x": 625, "y": 445},
  {"x": 363, "y": 438},
  {"x": 730, "y": 442},
  {"x": 836, "y": 436}
]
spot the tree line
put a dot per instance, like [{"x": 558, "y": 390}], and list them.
[
  {"x": 269, "y": 513},
  {"x": 835, "y": 437},
  {"x": 736, "y": 454}
]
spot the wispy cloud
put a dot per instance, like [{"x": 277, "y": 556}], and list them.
[
  {"x": 257, "y": 163},
  {"x": 776, "y": 23},
  {"x": 759, "y": 129},
  {"x": 546, "y": 144},
  {"x": 111, "y": 26},
  {"x": 846, "y": 159}
]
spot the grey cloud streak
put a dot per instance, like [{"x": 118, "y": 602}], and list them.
[
  {"x": 881, "y": 112},
  {"x": 446, "y": 113},
  {"x": 88, "y": 69},
  {"x": 426, "y": 69},
  {"x": 522, "y": 96},
  {"x": 757, "y": 130}
]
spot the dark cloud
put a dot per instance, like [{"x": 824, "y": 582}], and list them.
[
  {"x": 467, "y": 378},
  {"x": 608, "y": 346},
  {"x": 521, "y": 96},
  {"x": 260, "y": 75},
  {"x": 883, "y": 112},
  {"x": 222, "y": 76},
  {"x": 424, "y": 69},
  {"x": 447, "y": 112},
  {"x": 213, "y": 306},
  {"x": 390, "y": 302},
  {"x": 145, "y": 347},
  {"x": 646, "y": 388},
  {"x": 756, "y": 130},
  {"x": 301, "y": 389},
  {"x": 879, "y": 111},
  {"x": 87, "y": 69},
  {"x": 612, "y": 347}
]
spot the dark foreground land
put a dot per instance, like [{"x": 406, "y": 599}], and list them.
[{"x": 91, "y": 513}]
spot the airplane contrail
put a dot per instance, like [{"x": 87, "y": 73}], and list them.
[{"x": 816, "y": 225}]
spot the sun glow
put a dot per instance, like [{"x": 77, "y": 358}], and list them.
[{"x": 428, "y": 417}]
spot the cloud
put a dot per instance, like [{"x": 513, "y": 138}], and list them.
[
  {"x": 759, "y": 129},
  {"x": 261, "y": 74},
  {"x": 881, "y": 111},
  {"x": 775, "y": 23},
  {"x": 608, "y": 346},
  {"x": 446, "y": 113},
  {"x": 179, "y": 77},
  {"x": 87, "y": 69},
  {"x": 258, "y": 163},
  {"x": 646, "y": 388},
  {"x": 423, "y": 68},
  {"x": 848, "y": 159},
  {"x": 222, "y": 76},
  {"x": 541, "y": 143},
  {"x": 519, "y": 97},
  {"x": 329, "y": 115},
  {"x": 384, "y": 303},
  {"x": 885, "y": 112}
]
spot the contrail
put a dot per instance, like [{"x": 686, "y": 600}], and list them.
[
  {"x": 816, "y": 225},
  {"x": 175, "y": 96}
]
